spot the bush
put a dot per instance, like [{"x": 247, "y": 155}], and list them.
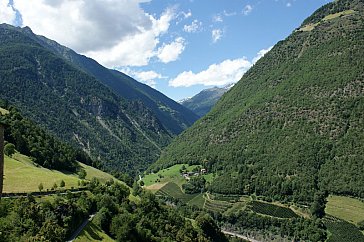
[{"x": 9, "y": 149}]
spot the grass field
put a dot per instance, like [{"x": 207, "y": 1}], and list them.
[
  {"x": 173, "y": 190},
  {"x": 340, "y": 14},
  {"x": 346, "y": 208},
  {"x": 21, "y": 175},
  {"x": 93, "y": 233},
  {"x": 171, "y": 174}
]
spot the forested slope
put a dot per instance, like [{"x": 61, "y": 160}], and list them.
[
  {"x": 173, "y": 116},
  {"x": 73, "y": 105},
  {"x": 294, "y": 123}
]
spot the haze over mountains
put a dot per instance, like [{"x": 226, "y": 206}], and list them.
[
  {"x": 293, "y": 124},
  {"x": 117, "y": 120}
]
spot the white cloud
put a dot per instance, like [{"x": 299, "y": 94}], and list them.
[
  {"x": 194, "y": 27},
  {"x": 217, "y": 18},
  {"x": 226, "y": 72},
  {"x": 7, "y": 13},
  {"x": 288, "y": 5},
  {"x": 147, "y": 77},
  {"x": 114, "y": 32},
  {"x": 261, "y": 53},
  {"x": 186, "y": 15},
  {"x": 247, "y": 9},
  {"x": 229, "y": 14},
  {"x": 170, "y": 52},
  {"x": 216, "y": 35},
  {"x": 217, "y": 74}
]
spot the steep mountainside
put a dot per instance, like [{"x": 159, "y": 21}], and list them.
[
  {"x": 294, "y": 123},
  {"x": 173, "y": 116},
  {"x": 202, "y": 102},
  {"x": 124, "y": 135}
]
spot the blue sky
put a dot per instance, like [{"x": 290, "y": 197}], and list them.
[{"x": 177, "y": 47}]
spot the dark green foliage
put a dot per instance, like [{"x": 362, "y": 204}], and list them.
[
  {"x": 342, "y": 231},
  {"x": 28, "y": 220},
  {"x": 202, "y": 102},
  {"x": 361, "y": 225},
  {"x": 31, "y": 140},
  {"x": 195, "y": 185},
  {"x": 319, "y": 204},
  {"x": 82, "y": 174},
  {"x": 149, "y": 220},
  {"x": 9, "y": 149},
  {"x": 173, "y": 116},
  {"x": 123, "y": 135},
  {"x": 209, "y": 228},
  {"x": 272, "y": 210},
  {"x": 293, "y": 124},
  {"x": 298, "y": 228}
]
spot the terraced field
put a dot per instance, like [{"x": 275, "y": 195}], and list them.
[
  {"x": 342, "y": 231},
  {"x": 171, "y": 189},
  {"x": 198, "y": 201},
  {"x": 272, "y": 210},
  {"x": 217, "y": 205}
]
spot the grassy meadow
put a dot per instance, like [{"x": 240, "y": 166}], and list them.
[
  {"x": 345, "y": 208},
  {"x": 22, "y": 175},
  {"x": 92, "y": 233}
]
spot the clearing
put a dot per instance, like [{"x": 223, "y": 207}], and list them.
[
  {"x": 346, "y": 208},
  {"x": 22, "y": 175},
  {"x": 171, "y": 174}
]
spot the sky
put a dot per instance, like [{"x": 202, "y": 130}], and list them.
[{"x": 177, "y": 47}]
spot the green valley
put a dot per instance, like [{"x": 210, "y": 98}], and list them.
[{"x": 90, "y": 154}]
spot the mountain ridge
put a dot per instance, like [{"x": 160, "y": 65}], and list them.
[
  {"x": 77, "y": 107},
  {"x": 293, "y": 124},
  {"x": 174, "y": 117},
  {"x": 203, "y": 101}
]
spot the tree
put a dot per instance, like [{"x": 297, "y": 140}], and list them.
[
  {"x": 209, "y": 228},
  {"x": 9, "y": 149},
  {"x": 40, "y": 187},
  {"x": 319, "y": 203},
  {"x": 54, "y": 186},
  {"x": 82, "y": 174},
  {"x": 361, "y": 225},
  {"x": 62, "y": 184}
]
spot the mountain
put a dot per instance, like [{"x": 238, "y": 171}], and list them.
[
  {"x": 124, "y": 135},
  {"x": 202, "y": 102},
  {"x": 173, "y": 116},
  {"x": 293, "y": 125}
]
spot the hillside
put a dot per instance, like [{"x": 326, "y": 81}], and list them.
[
  {"x": 174, "y": 117},
  {"x": 21, "y": 175},
  {"x": 293, "y": 124},
  {"x": 121, "y": 134},
  {"x": 202, "y": 102}
]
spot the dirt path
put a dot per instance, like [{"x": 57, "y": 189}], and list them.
[{"x": 239, "y": 236}]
